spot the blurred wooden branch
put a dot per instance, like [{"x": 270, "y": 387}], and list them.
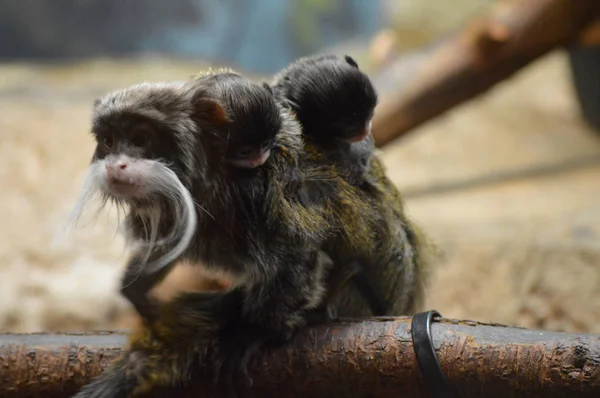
[
  {"x": 370, "y": 358},
  {"x": 485, "y": 52}
]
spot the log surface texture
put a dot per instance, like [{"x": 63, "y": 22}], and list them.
[{"x": 372, "y": 358}]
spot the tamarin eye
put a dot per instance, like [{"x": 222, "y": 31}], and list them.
[
  {"x": 108, "y": 141},
  {"x": 244, "y": 151},
  {"x": 138, "y": 140}
]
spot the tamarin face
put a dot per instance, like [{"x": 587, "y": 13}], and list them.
[
  {"x": 130, "y": 146},
  {"x": 331, "y": 97},
  {"x": 144, "y": 141}
]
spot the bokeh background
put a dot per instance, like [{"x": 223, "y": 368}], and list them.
[{"x": 523, "y": 252}]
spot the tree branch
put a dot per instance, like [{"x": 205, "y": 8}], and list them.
[
  {"x": 370, "y": 358},
  {"x": 484, "y": 53}
]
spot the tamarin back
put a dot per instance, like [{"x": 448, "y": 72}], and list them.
[
  {"x": 397, "y": 271},
  {"x": 375, "y": 238}
]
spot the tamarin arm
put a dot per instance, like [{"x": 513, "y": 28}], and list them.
[{"x": 137, "y": 282}]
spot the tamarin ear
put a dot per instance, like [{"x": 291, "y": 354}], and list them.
[
  {"x": 96, "y": 102},
  {"x": 351, "y": 61},
  {"x": 210, "y": 111},
  {"x": 267, "y": 87}
]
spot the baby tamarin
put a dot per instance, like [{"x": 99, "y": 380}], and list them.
[
  {"x": 248, "y": 146},
  {"x": 334, "y": 101}
]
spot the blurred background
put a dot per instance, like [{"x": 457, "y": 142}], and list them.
[{"x": 523, "y": 252}]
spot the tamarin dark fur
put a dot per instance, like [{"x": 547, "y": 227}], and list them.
[
  {"x": 164, "y": 152},
  {"x": 384, "y": 254}
]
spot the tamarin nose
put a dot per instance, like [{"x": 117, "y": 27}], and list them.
[{"x": 115, "y": 167}]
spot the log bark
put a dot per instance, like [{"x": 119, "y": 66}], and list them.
[
  {"x": 372, "y": 358},
  {"x": 486, "y": 52}
]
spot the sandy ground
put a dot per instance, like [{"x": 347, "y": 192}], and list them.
[{"x": 524, "y": 253}]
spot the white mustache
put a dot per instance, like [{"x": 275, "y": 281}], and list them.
[{"x": 159, "y": 179}]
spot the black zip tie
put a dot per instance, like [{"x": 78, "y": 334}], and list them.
[{"x": 426, "y": 355}]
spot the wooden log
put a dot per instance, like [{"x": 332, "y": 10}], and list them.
[
  {"x": 486, "y": 52},
  {"x": 369, "y": 358}
]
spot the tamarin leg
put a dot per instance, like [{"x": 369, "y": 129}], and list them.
[
  {"x": 339, "y": 277},
  {"x": 164, "y": 355},
  {"x": 271, "y": 312},
  {"x": 358, "y": 282},
  {"x": 366, "y": 284},
  {"x": 390, "y": 283},
  {"x": 353, "y": 280},
  {"x": 336, "y": 278},
  {"x": 121, "y": 380}
]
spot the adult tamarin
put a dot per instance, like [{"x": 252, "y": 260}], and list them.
[{"x": 166, "y": 153}]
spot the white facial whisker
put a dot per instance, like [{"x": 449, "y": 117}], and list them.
[
  {"x": 204, "y": 210},
  {"x": 166, "y": 182},
  {"x": 91, "y": 189},
  {"x": 157, "y": 185},
  {"x": 151, "y": 223},
  {"x": 121, "y": 213}
]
